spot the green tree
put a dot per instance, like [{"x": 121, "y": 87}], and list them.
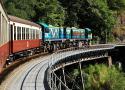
[
  {"x": 95, "y": 14},
  {"x": 48, "y": 11},
  {"x": 101, "y": 77},
  {"x": 21, "y": 8},
  {"x": 118, "y": 6},
  {"x": 72, "y": 8}
]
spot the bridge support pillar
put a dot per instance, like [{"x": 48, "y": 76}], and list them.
[
  {"x": 64, "y": 75},
  {"x": 60, "y": 84},
  {"x": 55, "y": 83},
  {"x": 119, "y": 64},
  {"x": 52, "y": 82},
  {"x": 80, "y": 69},
  {"x": 110, "y": 61}
]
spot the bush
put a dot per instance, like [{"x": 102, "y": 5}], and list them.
[{"x": 101, "y": 77}]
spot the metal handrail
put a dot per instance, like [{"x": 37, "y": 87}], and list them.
[{"x": 60, "y": 52}]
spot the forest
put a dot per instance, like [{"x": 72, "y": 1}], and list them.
[{"x": 102, "y": 16}]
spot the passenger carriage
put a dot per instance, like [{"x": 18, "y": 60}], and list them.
[
  {"x": 25, "y": 37},
  {"x": 4, "y": 36}
]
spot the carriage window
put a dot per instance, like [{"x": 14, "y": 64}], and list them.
[
  {"x": 7, "y": 36},
  {"x": 40, "y": 35},
  {"x": 14, "y": 32},
  {"x": 5, "y": 31},
  {"x": 0, "y": 31},
  {"x": 23, "y": 33},
  {"x": 18, "y": 33},
  {"x": 33, "y": 33},
  {"x": 3, "y": 35},
  {"x": 37, "y": 34},
  {"x": 27, "y": 33}
]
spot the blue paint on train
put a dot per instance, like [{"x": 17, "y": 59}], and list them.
[{"x": 52, "y": 33}]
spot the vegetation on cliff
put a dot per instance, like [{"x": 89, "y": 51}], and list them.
[{"x": 99, "y": 77}]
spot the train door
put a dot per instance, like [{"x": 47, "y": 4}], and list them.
[
  {"x": 11, "y": 41},
  {"x": 10, "y": 37}
]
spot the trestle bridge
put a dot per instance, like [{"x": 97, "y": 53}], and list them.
[{"x": 39, "y": 74}]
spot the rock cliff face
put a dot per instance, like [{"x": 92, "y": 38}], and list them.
[
  {"x": 119, "y": 30},
  {"x": 119, "y": 33}
]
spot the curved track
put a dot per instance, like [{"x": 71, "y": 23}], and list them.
[{"x": 30, "y": 76}]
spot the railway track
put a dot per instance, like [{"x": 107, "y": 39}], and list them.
[
  {"x": 24, "y": 77},
  {"x": 30, "y": 76}
]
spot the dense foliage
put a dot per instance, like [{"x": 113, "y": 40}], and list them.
[
  {"x": 48, "y": 11},
  {"x": 116, "y": 4},
  {"x": 99, "y": 15},
  {"x": 21, "y": 8},
  {"x": 100, "y": 77}
]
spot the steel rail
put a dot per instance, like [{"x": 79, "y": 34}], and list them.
[{"x": 37, "y": 75}]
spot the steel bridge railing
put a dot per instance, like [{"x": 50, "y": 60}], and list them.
[{"x": 55, "y": 82}]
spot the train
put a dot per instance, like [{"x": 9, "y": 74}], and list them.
[
  {"x": 21, "y": 38},
  {"x": 64, "y": 37}
]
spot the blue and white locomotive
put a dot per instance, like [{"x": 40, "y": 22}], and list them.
[{"x": 64, "y": 37}]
